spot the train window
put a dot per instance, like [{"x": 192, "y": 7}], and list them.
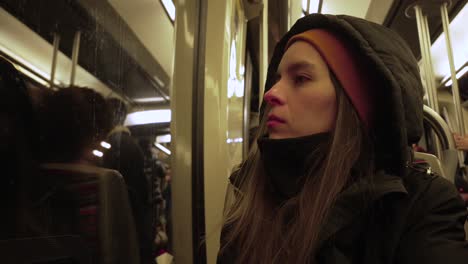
[
  {"x": 236, "y": 91},
  {"x": 96, "y": 76},
  {"x": 311, "y": 6}
]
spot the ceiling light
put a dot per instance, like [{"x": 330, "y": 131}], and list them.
[
  {"x": 162, "y": 148},
  {"x": 234, "y": 140},
  {"x": 170, "y": 8},
  {"x": 98, "y": 153},
  {"x": 148, "y": 117},
  {"x": 105, "y": 145},
  {"x": 149, "y": 100},
  {"x": 19, "y": 59},
  {"x": 163, "y": 138},
  {"x": 32, "y": 75}
]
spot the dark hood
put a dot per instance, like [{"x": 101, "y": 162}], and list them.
[{"x": 399, "y": 113}]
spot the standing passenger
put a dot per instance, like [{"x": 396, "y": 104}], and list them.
[
  {"x": 70, "y": 187},
  {"x": 127, "y": 157},
  {"x": 330, "y": 179},
  {"x": 461, "y": 143},
  {"x": 75, "y": 120}
]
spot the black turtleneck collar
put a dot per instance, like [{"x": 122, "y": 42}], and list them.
[{"x": 286, "y": 161}]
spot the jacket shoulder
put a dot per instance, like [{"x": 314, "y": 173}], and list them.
[
  {"x": 430, "y": 188},
  {"x": 433, "y": 231}
]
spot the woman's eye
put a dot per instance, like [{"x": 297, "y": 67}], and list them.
[{"x": 299, "y": 79}]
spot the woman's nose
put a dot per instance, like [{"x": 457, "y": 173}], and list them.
[{"x": 272, "y": 97}]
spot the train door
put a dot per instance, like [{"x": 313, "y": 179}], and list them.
[{"x": 210, "y": 105}]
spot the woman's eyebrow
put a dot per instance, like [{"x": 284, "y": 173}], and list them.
[
  {"x": 297, "y": 66},
  {"x": 301, "y": 65}
]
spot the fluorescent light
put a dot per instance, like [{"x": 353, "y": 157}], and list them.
[
  {"x": 105, "y": 145},
  {"x": 170, "y": 8},
  {"x": 235, "y": 88},
  {"x": 239, "y": 91},
  {"x": 162, "y": 148},
  {"x": 31, "y": 75},
  {"x": 458, "y": 75},
  {"x": 35, "y": 73},
  {"x": 231, "y": 87},
  {"x": 98, "y": 153},
  {"x": 234, "y": 140},
  {"x": 163, "y": 138},
  {"x": 24, "y": 62},
  {"x": 34, "y": 76},
  {"x": 149, "y": 100},
  {"x": 313, "y": 6},
  {"x": 148, "y": 117}
]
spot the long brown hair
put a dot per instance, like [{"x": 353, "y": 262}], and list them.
[{"x": 263, "y": 231}]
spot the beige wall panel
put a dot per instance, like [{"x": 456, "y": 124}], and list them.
[
  {"x": 181, "y": 130},
  {"x": 223, "y": 108}
]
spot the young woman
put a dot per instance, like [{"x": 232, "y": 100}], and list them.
[{"x": 331, "y": 179}]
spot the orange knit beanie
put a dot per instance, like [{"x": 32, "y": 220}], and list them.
[{"x": 353, "y": 73}]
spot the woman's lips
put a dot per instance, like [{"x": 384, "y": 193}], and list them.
[{"x": 274, "y": 121}]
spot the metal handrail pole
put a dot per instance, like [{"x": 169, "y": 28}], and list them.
[
  {"x": 455, "y": 91},
  {"x": 56, "y": 44},
  {"x": 76, "y": 51}
]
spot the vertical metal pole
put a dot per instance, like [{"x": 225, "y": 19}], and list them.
[
  {"x": 54, "y": 59},
  {"x": 320, "y": 7},
  {"x": 432, "y": 85},
  {"x": 425, "y": 44},
  {"x": 76, "y": 51},
  {"x": 455, "y": 91},
  {"x": 430, "y": 70},
  {"x": 421, "y": 35},
  {"x": 263, "y": 67}
]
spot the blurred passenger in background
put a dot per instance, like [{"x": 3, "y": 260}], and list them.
[
  {"x": 461, "y": 143},
  {"x": 71, "y": 188},
  {"x": 19, "y": 145},
  {"x": 126, "y": 156},
  {"x": 167, "y": 196},
  {"x": 75, "y": 121}
]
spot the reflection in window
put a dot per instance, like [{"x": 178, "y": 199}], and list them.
[{"x": 74, "y": 139}]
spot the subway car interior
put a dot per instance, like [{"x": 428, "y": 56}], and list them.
[{"x": 123, "y": 119}]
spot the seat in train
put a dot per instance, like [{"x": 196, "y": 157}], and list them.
[
  {"x": 91, "y": 202},
  {"x": 434, "y": 163}
]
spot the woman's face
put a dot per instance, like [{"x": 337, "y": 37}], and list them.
[{"x": 303, "y": 100}]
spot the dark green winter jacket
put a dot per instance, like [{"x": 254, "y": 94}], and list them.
[{"x": 412, "y": 217}]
